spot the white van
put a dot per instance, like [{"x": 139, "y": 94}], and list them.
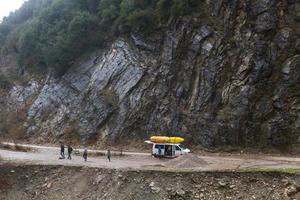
[{"x": 168, "y": 150}]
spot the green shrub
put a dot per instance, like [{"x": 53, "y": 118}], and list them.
[
  {"x": 109, "y": 10},
  {"x": 141, "y": 20},
  {"x": 5, "y": 83},
  {"x": 54, "y": 33},
  {"x": 163, "y": 9}
]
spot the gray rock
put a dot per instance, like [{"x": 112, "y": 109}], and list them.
[
  {"x": 19, "y": 95},
  {"x": 283, "y": 37},
  {"x": 155, "y": 189},
  {"x": 225, "y": 77},
  {"x": 266, "y": 21},
  {"x": 180, "y": 192},
  {"x": 139, "y": 42},
  {"x": 222, "y": 183},
  {"x": 260, "y": 6},
  {"x": 98, "y": 179},
  {"x": 151, "y": 184},
  {"x": 291, "y": 190},
  {"x": 216, "y": 6}
]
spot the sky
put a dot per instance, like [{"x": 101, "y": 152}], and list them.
[{"x": 6, "y": 6}]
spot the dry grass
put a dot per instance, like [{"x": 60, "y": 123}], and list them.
[
  {"x": 12, "y": 125},
  {"x": 275, "y": 170},
  {"x": 71, "y": 133},
  {"x": 109, "y": 95},
  {"x": 16, "y": 132},
  {"x": 15, "y": 147},
  {"x": 113, "y": 153}
]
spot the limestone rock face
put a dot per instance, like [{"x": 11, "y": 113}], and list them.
[
  {"x": 88, "y": 94},
  {"x": 232, "y": 77}
]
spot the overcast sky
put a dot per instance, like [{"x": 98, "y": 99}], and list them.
[{"x": 6, "y": 6}]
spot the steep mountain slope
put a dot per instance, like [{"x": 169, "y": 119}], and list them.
[{"x": 230, "y": 76}]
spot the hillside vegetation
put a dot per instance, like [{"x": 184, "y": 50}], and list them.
[{"x": 52, "y": 33}]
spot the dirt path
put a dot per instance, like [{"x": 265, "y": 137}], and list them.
[{"x": 134, "y": 160}]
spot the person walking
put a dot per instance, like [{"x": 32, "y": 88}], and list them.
[
  {"x": 85, "y": 153},
  {"x": 62, "y": 150},
  {"x": 108, "y": 155},
  {"x": 70, "y": 149}
]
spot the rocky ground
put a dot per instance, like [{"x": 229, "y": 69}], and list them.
[{"x": 59, "y": 182}]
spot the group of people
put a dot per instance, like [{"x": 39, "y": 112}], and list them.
[
  {"x": 70, "y": 150},
  {"x": 62, "y": 151}
]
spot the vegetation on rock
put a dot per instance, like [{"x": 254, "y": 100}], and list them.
[{"x": 53, "y": 33}]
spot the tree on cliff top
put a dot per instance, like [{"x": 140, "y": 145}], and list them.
[{"x": 53, "y": 33}]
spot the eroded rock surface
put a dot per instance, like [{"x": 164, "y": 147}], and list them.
[{"x": 232, "y": 77}]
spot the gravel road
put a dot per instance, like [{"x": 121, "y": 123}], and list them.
[{"x": 134, "y": 160}]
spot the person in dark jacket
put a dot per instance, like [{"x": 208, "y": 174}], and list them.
[
  {"x": 159, "y": 150},
  {"x": 108, "y": 155},
  {"x": 70, "y": 149},
  {"x": 62, "y": 150},
  {"x": 85, "y": 153}
]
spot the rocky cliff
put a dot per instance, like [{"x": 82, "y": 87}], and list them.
[{"x": 227, "y": 77}]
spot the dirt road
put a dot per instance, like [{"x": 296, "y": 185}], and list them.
[{"x": 131, "y": 160}]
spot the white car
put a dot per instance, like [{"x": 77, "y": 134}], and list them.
[{"x": 168, "y": 150}]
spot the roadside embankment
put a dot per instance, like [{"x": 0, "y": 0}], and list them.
[{"x": 67, "y": 182}]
